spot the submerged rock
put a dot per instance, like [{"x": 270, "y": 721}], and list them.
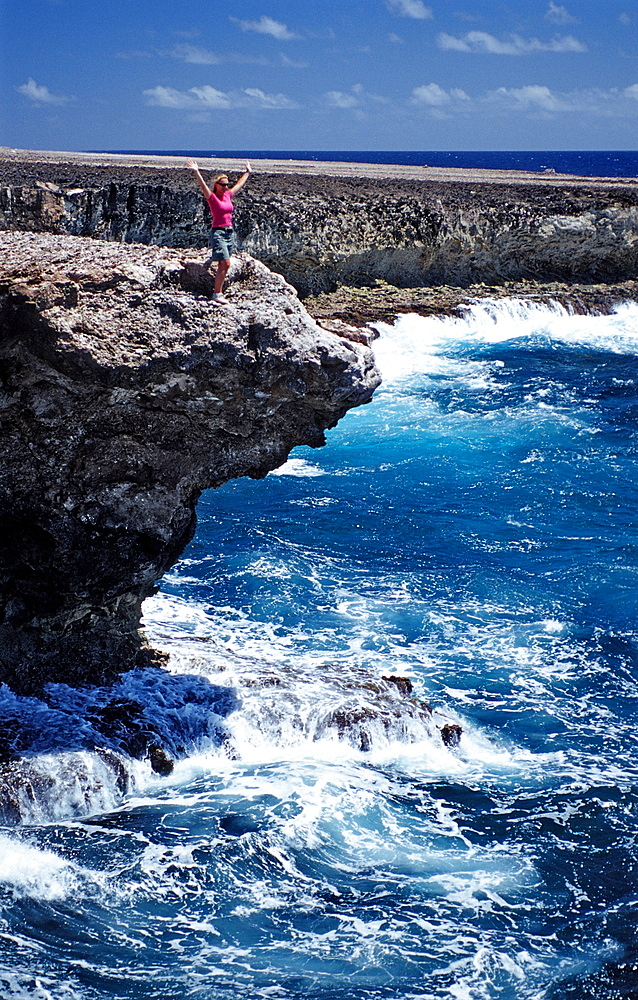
[
  {"x": 402, "y": 684},
  {"x": 125, "y": 391},
  {"x": 451, "y": 734},
  {"x": 160, "y": 761},
  {"x": 384, "y": 708},
  {"x": 62, "y": 786}
]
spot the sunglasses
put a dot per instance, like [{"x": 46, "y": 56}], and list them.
[{"x": 223, "y": 184}]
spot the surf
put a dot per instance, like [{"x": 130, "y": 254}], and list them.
[{"x": 461, "y": 553}]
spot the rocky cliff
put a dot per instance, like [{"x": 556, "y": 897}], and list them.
[
  {"x": 125, "y": 391},
  {"x": 326, "y": 231}
]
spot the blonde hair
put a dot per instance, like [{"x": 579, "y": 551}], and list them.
[{"x": 218, "y": 178}]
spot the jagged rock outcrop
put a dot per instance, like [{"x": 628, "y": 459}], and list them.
[
  {"x": 323, "y": 232},
  {"x": 125, "y": 391}
]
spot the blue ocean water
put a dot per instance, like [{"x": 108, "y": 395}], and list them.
[
  {"x": 583, "y": 163},
  {"x": 472, "y": 529}
]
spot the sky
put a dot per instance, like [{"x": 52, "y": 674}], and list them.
[{"x": 311, "y": 75}]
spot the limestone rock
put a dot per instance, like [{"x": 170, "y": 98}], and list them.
[
  {"x": 125, "y": 392},
  {"x": 325, "y": 232}
]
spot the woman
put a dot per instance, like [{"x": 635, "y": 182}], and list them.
[{"x": 220, "y": 202}]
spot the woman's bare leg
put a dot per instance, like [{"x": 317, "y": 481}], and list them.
[{"x": 220, "y": 276}]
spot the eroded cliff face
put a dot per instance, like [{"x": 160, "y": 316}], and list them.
[
  {"x": 125, "y": 391},
  {"x": 325, "y": 232}
]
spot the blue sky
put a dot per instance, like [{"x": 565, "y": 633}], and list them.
[{"x": 358, "y": 74}]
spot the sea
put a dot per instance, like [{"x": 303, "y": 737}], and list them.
[{"x": 401, "y": 700}]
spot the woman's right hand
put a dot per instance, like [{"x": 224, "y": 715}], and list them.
[{"x": 192, "y": 164}]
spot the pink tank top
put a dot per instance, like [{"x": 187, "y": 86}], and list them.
[{"x": 221, "y": 209}]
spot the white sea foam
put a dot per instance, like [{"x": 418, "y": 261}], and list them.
[
  {"x": 57, "y": 786},
  {"x": 297, "y": 704},
  {"x": 418, "y": 344},
  {"x": 298, "y": 467},
  {"x": 23, "y": 986},
  {"x": 30, "y": 871}
]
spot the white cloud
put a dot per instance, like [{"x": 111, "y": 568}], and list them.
[
  {"x": 534, "y": 96},
  {"x": 411, "y": 8},
  {"x": 436, "y": 97},
  {"x": 259, "y": 98},
  {"x": 531, "y": 101},
  {"x": 197, "y": 97},
  {"x": 558, "y": 14},
  {"x": 612, "y": 103},
  {"x": 198, "y": 56},
  {"x": 513, "y": 45},
  {"x": 267, "y": 26},
  {"x": 339, "y": 99},
  {"x": 40, "y": 95},
  {"x": 357, "y": 97},
  {"x": 292, "y": 63},
  {"x": 395, "y": 39},
  {"x": 209, "y": 98},
  {"x": 431, "y": 94},
  {"x": 624, "y": 18}
]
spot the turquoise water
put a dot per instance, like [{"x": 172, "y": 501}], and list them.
[{"x": 472, "y": 529}]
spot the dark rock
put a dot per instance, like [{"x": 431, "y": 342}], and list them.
[
  {"x": 351, "y": 723},
  {"x": 123, "y": 723},
  {"x": 117, "y": 765},
  {"x": 46, "y": 788},
  {"x": 402, "y": 684},
  {"x": 387, "y": 710},
  {"x": 349, "y": 332},
  {"x": 383, "y": 302},
  {"x": 451, "y": 734},
  {"x": 11, "y": 738},
  {"x": 160, "y": 761},
  {"x": 124, "y": 394},
  {"x": 325, "y": 231}
]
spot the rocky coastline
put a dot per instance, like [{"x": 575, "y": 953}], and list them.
[
  {"x": 359, "y": 242},
  {"x": 126, "y": 391}
]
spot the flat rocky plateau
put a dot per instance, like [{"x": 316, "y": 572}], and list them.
[{"x": 360, "y": 242}]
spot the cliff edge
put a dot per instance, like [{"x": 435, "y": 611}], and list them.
[
  {"x": 332, "y": 226},
  {"x": 125, "y": 391}
]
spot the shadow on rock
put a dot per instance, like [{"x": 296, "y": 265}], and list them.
[{"x": 70, "y": 752}]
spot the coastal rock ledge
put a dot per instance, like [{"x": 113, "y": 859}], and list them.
[{"x": 125, "y": 392}]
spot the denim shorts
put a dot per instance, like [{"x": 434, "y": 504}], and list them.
[{"x": 221, "y": 242}]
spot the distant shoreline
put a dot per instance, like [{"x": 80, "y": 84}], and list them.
[{"x": 313, "y": 168}]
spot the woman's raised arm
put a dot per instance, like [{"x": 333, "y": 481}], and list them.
[
  {"x": 242, "y": 180},
  {"x": 200, "y": 180}
]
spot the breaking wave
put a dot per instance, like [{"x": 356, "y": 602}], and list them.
[{"x": 392, "y": 756}]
